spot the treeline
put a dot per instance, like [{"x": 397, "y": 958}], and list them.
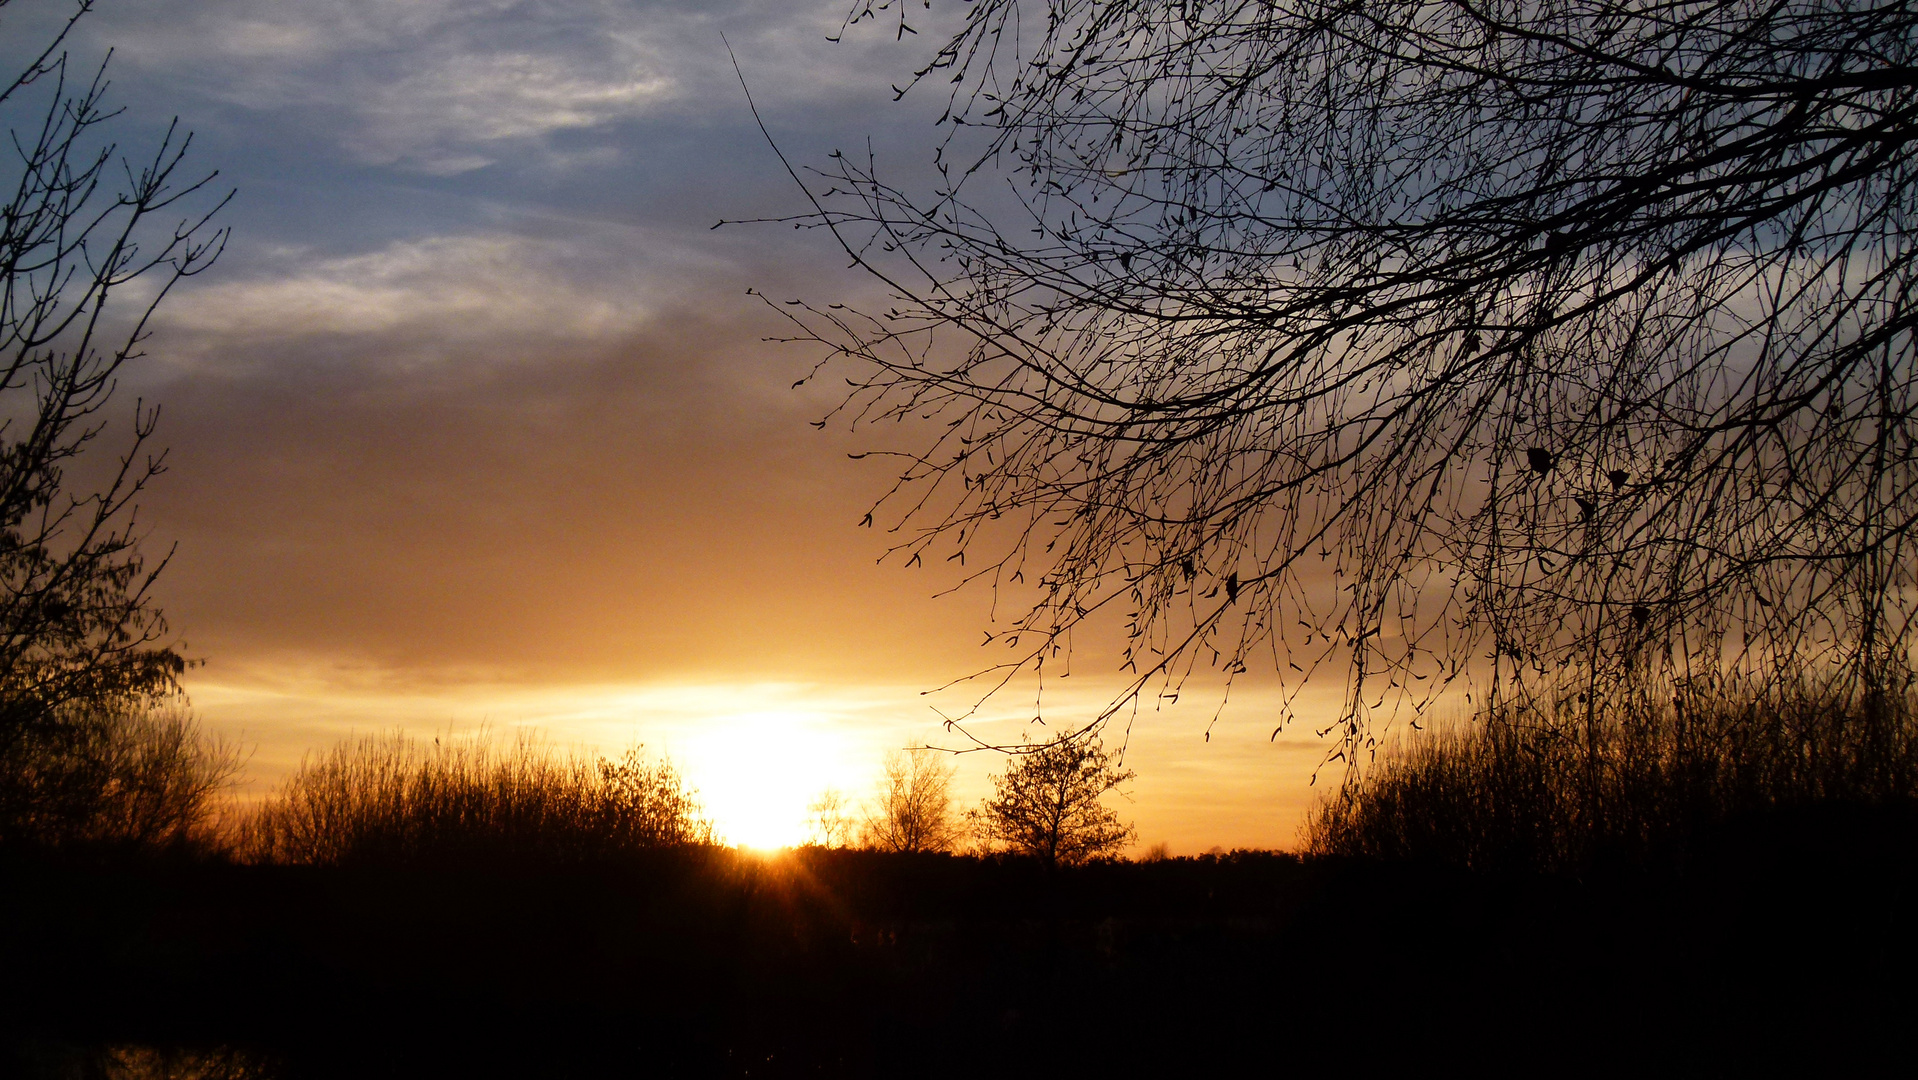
[
  {"x": 1640, "y": 781},
  {"x": 532, "y": 911},
  {"x": 144, "y": 777}
]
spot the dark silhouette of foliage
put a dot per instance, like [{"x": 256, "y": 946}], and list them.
[
  {"x": 142, "y": 780},
  {"x": 82, "y": 658},
  {"x": 1507, "y": 342},
  {"x": 391, "y": 800},
  {"x": 1656, "y": 781},
  {"x": 1046, "y": 804},
  {"x": 132, "y": 1061},
  {"x": 912, "y": 811},
  {"x": 713, "y": 961}
]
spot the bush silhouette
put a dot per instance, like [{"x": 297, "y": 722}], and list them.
[
  {"x": 1643, "y": 781},
  {"x": 391, "y": 799},
  {"x": 138, "y": 777}
]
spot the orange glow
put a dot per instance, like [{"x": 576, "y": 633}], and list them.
[
  {"x": 757, "y": 754},
  {"x": 756, "y": 773}
]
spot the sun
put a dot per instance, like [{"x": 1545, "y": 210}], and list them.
[{"x": 757, "y": 773}]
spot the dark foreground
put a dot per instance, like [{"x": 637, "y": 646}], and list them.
[{"x": 1790, "y": 949}]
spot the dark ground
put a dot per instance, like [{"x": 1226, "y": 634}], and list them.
[{"x": 1788, "y": 949}]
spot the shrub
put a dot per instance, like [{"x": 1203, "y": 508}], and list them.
[
  {"x": 140, "y": 777},
  {"x": 391, "y": 799},
  {"x": 1638, "y": 782}
]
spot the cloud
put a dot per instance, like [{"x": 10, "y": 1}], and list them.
[
  {"x": 484, "y": 293},
  {"x": 468, "y": 99},
  {"x": 448, "y": 86}
]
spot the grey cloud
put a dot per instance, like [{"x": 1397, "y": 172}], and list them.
[
  {"x": 449, "y": 86},
  {"x": 481, "y": 294}
]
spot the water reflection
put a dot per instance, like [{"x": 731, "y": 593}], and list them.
[{"x": 135, "y": 1062}]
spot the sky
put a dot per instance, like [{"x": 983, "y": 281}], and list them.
[{"x": 475, "y": 424}]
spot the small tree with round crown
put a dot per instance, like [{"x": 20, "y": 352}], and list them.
[{"x": 1047, "y": 804}]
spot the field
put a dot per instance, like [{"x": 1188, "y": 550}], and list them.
[{"x": 1789, "y": 946}]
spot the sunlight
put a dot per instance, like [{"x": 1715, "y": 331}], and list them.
[
  {"x": 757, "y": 772},
  {"x": 757, "y": 753}
]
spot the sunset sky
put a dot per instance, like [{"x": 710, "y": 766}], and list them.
[{"x": 473, "y": 424}]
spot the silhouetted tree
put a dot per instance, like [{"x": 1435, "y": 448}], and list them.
[
  {"x": 1532, "y": 343},
  {"x": 1047, "y": 804},
  {"x": 80, "y": 223},
  {"x": 912, "y": 810},
  {"x": 829, "y": 820}
]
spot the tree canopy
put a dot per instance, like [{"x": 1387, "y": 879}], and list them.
[
  {"x": 1047, "y": 804},
  {"x": 1530, "y": 344}
]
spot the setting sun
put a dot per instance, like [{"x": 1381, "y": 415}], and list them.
[{"x": 756, "y": 772}]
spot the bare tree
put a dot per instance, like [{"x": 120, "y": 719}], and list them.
[
  {"x": 80, "y": 223},
  {"x": 1530, "y": 344},
  {"x": 912, "y": 810},
  {"x": 830, "y": 821},
  {"x": 1046, "y": 804}
]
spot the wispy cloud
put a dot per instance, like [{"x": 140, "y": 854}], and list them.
[
  {"x": 446, "y": 86},
  {"x": 481, "y": 295},
  {"x": 432, "y": 117}
]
